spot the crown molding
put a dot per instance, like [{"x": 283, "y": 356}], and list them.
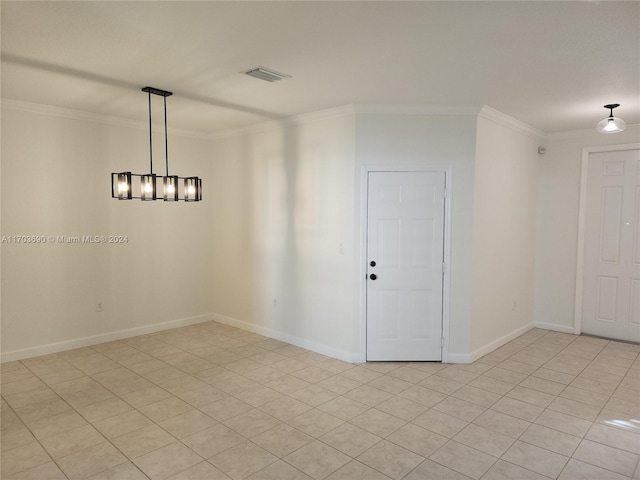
[
  {"x": 418, "y": 109},
  {"x": 351, "y": 109},
  {"x": 586, "y": 132},
  {"x": 512, "y": 123},
  {"x": 61, "y": 112},
  {"x": 286, "y": 122},
  {"x": 320, "y": 115}
]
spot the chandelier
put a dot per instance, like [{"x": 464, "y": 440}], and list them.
[{"x": 145, "y": 186}]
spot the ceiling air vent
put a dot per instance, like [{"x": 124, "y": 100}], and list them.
[{"x": 266, "y": 74}]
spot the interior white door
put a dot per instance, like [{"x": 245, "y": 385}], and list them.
[
  {"x": 611, "y": 278},
  {"x": 405, "y": 254}
]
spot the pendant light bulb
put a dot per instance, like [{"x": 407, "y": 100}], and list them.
[{"x": 611, "y": 124}]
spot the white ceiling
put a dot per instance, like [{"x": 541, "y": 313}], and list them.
[{"x": 552, "y": 65}]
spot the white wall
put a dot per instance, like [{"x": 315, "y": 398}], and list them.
[
  {"x": 280, "y": 205},
  {"x": 431, "y": 140},
  {"x": 283, "y": 207},
  {"x": 292, "y": 198},
  {"x": 56, "y": 181},
  {"x": 558, "y": 200},
  {"x": 503, "y": 232}
]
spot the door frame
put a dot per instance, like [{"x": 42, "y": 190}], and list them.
[
  {"x": 582, "y": 216},
  {"x": 361, "y": 257}
]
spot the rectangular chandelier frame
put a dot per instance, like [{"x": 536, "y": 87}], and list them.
[{"x": 146, "y": 187}]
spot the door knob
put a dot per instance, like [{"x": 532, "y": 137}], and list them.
[{"x": 373, "y": 276}]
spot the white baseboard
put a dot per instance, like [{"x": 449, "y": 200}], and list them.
[
  {"x": 554, "y": 327},
  {"x": 497, "y": 343},
  {"x": 457, "y": 358},
  {"x": 349, "y": 357},
  {"x": 102, "y": 338}
]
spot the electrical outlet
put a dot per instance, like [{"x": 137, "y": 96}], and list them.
[
  {"x": 275, "y": 303},
  {"x": 99, "y": 307}
]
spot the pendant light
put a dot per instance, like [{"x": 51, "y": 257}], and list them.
[
  {"x": 125, "y": 185},
  {"x": 611, "y": 124}
]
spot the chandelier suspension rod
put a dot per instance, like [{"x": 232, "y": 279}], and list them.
[
  {"x": 150, "y": 136},
  {"x": 166, "y": 143}
]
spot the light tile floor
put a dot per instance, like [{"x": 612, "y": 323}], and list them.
[{"x": 214, "y": 402}]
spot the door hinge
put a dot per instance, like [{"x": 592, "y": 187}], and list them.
[
  {"x": 442, "y": 342},
  {"x": 444, "y": 268},
  {"x": 445, "y": 192}
]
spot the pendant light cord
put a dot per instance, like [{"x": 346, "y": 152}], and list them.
[
  {"x": 150, "y": 137},
  {"x": 166, "y": 143}
]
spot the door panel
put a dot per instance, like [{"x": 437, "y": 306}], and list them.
[
  {"x": 611, "y": 276},
  {"x": 607, "y": 299},
  {"x": 610, "y": 222},
  {"x": 636, "y": 228},
  {"x": 405, "y": 239},
  {"x": 635, "y": 302}
]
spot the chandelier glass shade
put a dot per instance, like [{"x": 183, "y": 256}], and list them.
[
  {"x": 149, "y": 186},
  {"x": 611, "y": 124}
]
